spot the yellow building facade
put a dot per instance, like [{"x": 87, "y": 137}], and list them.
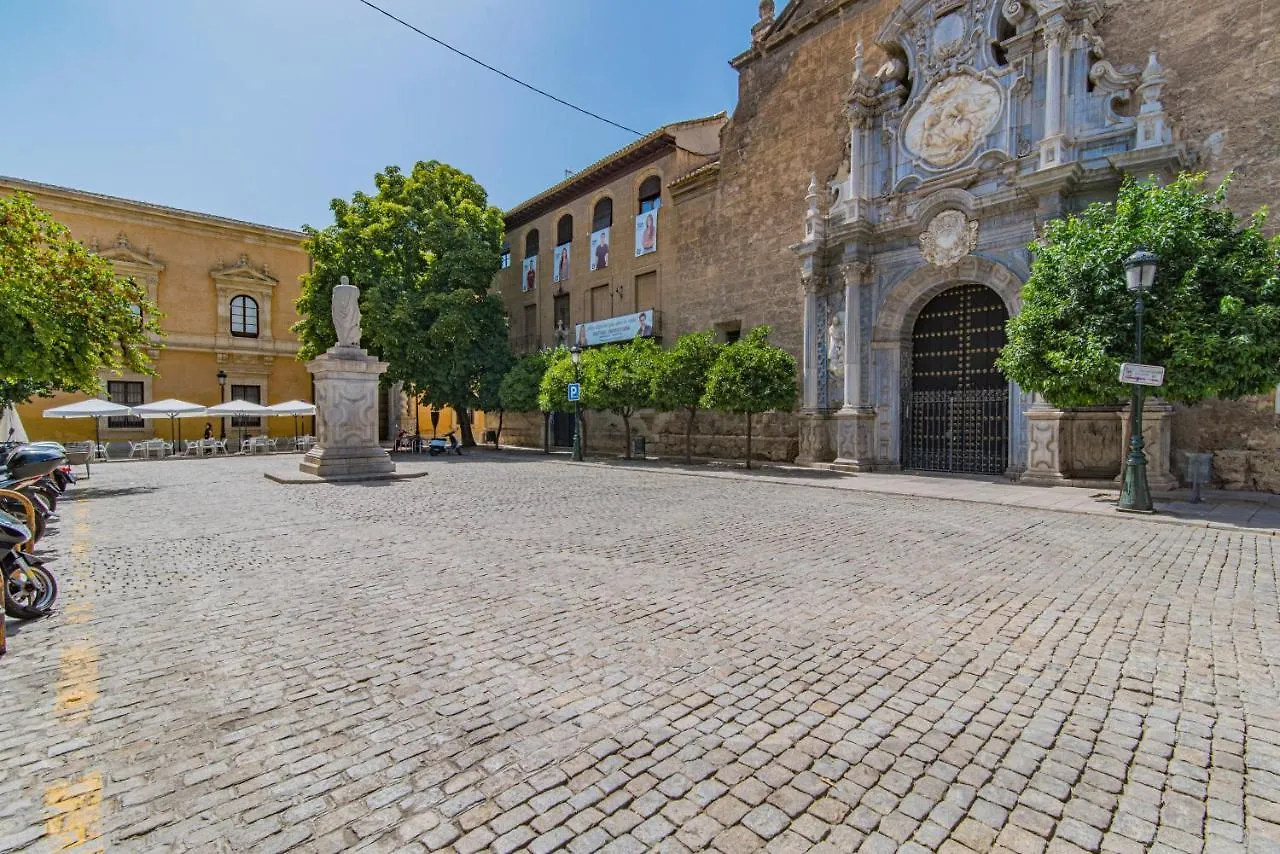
[{"x": 226, "y": 291}]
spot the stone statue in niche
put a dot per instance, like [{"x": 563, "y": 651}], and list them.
[
  {"x": 346, "y": 313},
  {"x": 561, "y": 334},
  {"x": 955, "y": 117},
  {"x": 835, "y": 342},
  {"x": 949, "y": 237}
]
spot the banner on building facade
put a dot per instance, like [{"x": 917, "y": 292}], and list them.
[
  {"x": 615, "y": 329},
  {"x": 647, "y": 232},
  {"x": 600, "y": 249},
  {"x": 560, "y": 270},
  {"x": 529, "y": 279}
]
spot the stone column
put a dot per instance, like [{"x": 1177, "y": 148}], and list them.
[
  {"x": 855, "y": 422},
  {"x": 809, "y": 401},
  {"x": 346, "y": 379},
  {"x": 1047, "y": 452},
  {"x": 1052, "y": 150},
  {"x": 1157, "y": 437}
]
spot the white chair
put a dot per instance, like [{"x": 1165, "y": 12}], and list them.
[
  {"x": 137, "y": 450},
  {"x": 100, "y": 453},
  {"x": 216, "y": 445},
  {"x": 194, "y": 449}
]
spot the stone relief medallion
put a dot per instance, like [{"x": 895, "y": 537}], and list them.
[
  {"x": 955, "y": 117},
  {"x": 949, "y": 237}
]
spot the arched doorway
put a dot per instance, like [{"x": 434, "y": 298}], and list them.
[{"x": 958, "y": 413}]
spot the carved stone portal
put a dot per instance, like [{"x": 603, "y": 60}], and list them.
[{"x": 949, "y": 237}]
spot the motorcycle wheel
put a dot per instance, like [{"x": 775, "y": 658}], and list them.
[{"x": 29, "y": 591}]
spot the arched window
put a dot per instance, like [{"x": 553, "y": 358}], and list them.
[
  {"x": 531, "y": 244},
  {"x": 564, "y": 230},
  {"x": 244, "y": 316},
  {"x": 603, "y": 215},
  {"x": 650, "y": 194}
]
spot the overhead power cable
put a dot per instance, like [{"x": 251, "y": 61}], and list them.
[{"x": 499, "y": 71}]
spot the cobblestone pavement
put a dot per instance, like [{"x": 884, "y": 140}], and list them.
[{"x": 514, "y": 652}]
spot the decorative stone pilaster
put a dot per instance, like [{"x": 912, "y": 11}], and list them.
[
  {"x": 1053, "y": 146},
  {"x": 1157, "y": 436},
  {"x": 809, "y": 398},
  {"x": 856, "y": 421},
  {"x": 1047, "y": 451},
  {"x": 1153, "y": 127}
]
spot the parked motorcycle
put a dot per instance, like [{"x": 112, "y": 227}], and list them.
[
  {"x": 442, "y": 445},
  {"x": 30, "y": 590}
]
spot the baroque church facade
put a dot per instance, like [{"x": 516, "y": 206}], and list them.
[{"x": 882, "y": 176}]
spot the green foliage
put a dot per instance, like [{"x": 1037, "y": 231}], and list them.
[
  {"x": 423, "y": 251},
  {"x": 751, "y": 375},
  {"x": 620, "y": 376},
  {"x": 680, "y": 378},
  {"x": 521, "y": 385},
  {"x": 64, "y": 315},
  {"x": 1212, "y": 315},
  {"x": 553, "y": 391}
]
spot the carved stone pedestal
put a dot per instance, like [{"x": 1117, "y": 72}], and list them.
[
  {"x": 815, "y": 438},
  {"x": 346, "y": 380},
  {"x": 855, "y": 429},
  {"x": 1046, "y": 446},
  {"x": 1157, "y": 435}
]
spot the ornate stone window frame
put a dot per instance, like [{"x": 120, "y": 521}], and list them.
[
  {"x": 129, "y": 262},
  {"x": 243, "y": 279}
]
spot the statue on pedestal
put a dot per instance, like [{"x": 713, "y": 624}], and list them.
[{"x": 346, "y": 313}]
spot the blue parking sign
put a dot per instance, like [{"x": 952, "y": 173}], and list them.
[{"x": 575, "y": 392}]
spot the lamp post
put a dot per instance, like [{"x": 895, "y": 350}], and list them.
[
  {"x": 1135, "y": 495},
  {"x": 222, "y": 398},
  {"x": 575, "y": 353}
]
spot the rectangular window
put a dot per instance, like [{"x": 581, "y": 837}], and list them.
[
  {"x": 504, "y": 260},
  {"x": 125, "y": 394},
  {"x": 252, "y": 394},
  {"x": 530, "y": 342},
  {"x": 646, "y": 291},
  {"x": 730, "y": 331},
  {"x": 601, "y": 303}
]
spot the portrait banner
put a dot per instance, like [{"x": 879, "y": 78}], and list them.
[
  {"x": 560, "y": 270},
  {"x": 529, "y": 277},
  {"x": 647, "y": 232},
  {"x": 600, "y": 249},
  {"x": 614, "y": 329}
]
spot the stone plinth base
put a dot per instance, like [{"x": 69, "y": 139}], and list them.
[
  {"x": 1157, "y": 434},
  {"x": 304, "y": 479},
  {"x": 815, "y": 438},
  {"x": 855, "y": 427},
  {"x": 346, "y": 380},
  {"x": 1045, "y": 447}
]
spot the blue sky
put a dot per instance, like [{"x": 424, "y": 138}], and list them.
[{"x": 264, "y": 110}]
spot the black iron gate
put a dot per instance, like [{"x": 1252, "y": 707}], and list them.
[{"x": 958, "y": 412}]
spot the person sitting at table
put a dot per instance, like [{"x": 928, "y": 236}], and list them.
[{"x": 208, "y": 431}]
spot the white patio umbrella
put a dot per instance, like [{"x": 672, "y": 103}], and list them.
[
  {"x": 239, "y": 407},
  {"x": 11, "y": 429},
  {"x": 297, "y": 409},
  {"x": 94, "y": 408},
  {"x": 173, "y": 410}
]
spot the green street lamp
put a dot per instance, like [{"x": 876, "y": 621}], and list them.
[
  {"x": 222, "y": 395},
  {"x": 1135, "y": 495},
  {"x": 575, "y": 353}
]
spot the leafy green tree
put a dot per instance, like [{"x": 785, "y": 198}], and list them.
[
  {"x": 680, "y": 379},
  {"x": 519, "y": 389},
  {"x": 423, "y": 249},
  {"x": 621, "y": 380},
  {"x": 1212, "y": 314},
  {"x": 64, "y": 314},
  {"x": 553, "y": 392},
  {"x": 750, "y": 376}
]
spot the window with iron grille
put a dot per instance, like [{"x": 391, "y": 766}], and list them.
[
  {"x": 124, "y": 393},
  {"x": 244, "y": 317},
  {"x": 252, "y": 394}
]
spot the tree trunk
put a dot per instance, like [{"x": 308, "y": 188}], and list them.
[
  {"x": 626, "y": 437},
  {"x": 464, "y": 422},
  {"x": 497, "y": 436},
  {"x": 546, "y": 432},
  {"x": 688, "y": 437},
  {"x": 748, "y": 440}
]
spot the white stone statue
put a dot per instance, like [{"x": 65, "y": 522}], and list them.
[
  {"x": 346, "y": 313},
  {"x": 835, "y": 344}
]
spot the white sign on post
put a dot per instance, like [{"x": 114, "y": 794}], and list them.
[{"x": 1135, "y": 374}]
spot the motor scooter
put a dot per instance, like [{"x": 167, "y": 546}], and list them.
[{"x": 30, "y": 590}]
